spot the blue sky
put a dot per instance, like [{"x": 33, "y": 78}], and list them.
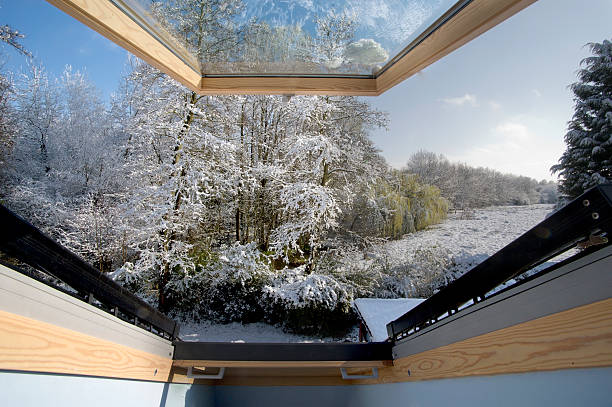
[
  {"x": 57, "y": 40},
  {"x": 501, "y": 101}
]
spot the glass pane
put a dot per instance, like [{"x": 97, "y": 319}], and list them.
[{"x": 308, "y": 37}]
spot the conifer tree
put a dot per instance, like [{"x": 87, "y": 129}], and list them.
[{"x": 587, "y": 161}]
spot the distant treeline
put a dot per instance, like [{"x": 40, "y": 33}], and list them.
[{"x": 471, "y": 187}]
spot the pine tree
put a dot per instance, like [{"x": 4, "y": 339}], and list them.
[{"x": 587, "y": 160}]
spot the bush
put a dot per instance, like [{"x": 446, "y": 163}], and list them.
[
  {"x": 224, "y": 287},
  {"x": 388, "y": 273},
  {"x": 236, "y": 284},
  {"x": 426, "y": 273},
  {"x": 136, "y": 281},
  {"x": 351, "y": 267},
  {"x": 309, "y": 304}
]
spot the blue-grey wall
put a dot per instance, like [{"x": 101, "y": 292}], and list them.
[
  {"x": 579, "y": 387},
  {"x": 50, "y": 390},
  {"x": 588, "y": 387}
]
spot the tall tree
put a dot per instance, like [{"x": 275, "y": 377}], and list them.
[
  {"x": 62, "y": 167},
  {"x": 587, "y": 161},
  {"x": 8, "y": 118}
]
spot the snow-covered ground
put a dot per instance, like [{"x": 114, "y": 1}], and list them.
[
  {"x": 468, "y": 239},
  {"x": 256, "y": 332},
  {"x": 473, "y": 237}
]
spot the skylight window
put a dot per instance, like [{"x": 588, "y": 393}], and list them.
[{"x": 351, "y": 47}]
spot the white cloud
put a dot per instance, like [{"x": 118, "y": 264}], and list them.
[
  {"x": 513, "y": 131},
  {"x": 514, "y": 149},
  {"x": 494, "y": 105},
  {"x": 536, "y": 92},
  {"x": 395, "y": 21},
  {"x": 334, "y": 63},
  {"x": 366, "y": 52},
  {"x": 462, "y": 100}
]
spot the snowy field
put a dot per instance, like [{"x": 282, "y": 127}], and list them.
[
  {"x": 471, "y": 238},
  {"x": 467, "y": 238}
]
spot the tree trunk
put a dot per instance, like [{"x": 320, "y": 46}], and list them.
[
  {"x": 325, "y": 177},
  {"x": 237, "y": 224},
  {"x": 164, "y": 303}
]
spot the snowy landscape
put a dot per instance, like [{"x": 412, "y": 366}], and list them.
[
  {"x": 305, "y": 203},
  {"x": 250, "y": 216},
  {"x": 244, "y": 209},
  {"x": 467, "y": 239}
]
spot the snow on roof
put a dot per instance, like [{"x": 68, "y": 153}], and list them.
[{"x": 376, "y": 313}]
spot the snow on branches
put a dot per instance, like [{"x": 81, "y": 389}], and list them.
[
  {"x": 309, "y": 210},
  {"x": 587, "y": 161}
]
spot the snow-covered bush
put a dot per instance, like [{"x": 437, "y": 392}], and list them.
[
  {"x": 350, "y": 266},
  {"x": 237, "y": 281},
  {"x": 226, "y": 286},
  {"x": 308, "y": 303},
  {"x": 425, "y": 273},
  {"x": 411, "y": 274},
  {"x": 238, "y": 284},
  {"x": 382, "y": 272},
  {"x": 126, "y": 275}
]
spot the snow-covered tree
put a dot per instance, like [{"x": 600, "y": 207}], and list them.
[
  {"x": 206, "y": 27},
  {"x": 334, "y": 33},
  {"x": 8, "y": 118},
  {"x": 61, "y": 171},
  {"x": 587, "y": 161},
  {"x": 12, "y": 37},
  {"x": 178, "y": 173}
]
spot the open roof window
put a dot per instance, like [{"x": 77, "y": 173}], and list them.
[{"x": 344, "y": 47}]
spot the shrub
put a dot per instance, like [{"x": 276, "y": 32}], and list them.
[
  {"x": 236, "y": 284},
  {"x": 309, "y": 303},
  {"x": 427, "y": 272},
  {"x": 386, "y": 272},
  {"x": 136, "y": 281},
  {"x": 351, "y": 267},
  {"x": 396, "y": 206},
  {"x": 224, "y": 287}
]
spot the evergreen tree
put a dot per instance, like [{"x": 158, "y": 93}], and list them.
[{"x": 587, "y": 160}]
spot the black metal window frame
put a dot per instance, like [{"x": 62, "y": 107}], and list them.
[
  {"x": 291, "y": 352},
  {"x": 27, "y": 244}
]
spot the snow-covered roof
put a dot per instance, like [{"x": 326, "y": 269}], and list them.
[{"x": 376, "y": 313}]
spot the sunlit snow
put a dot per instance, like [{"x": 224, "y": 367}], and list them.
[{"x": 468, "y": 238}]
